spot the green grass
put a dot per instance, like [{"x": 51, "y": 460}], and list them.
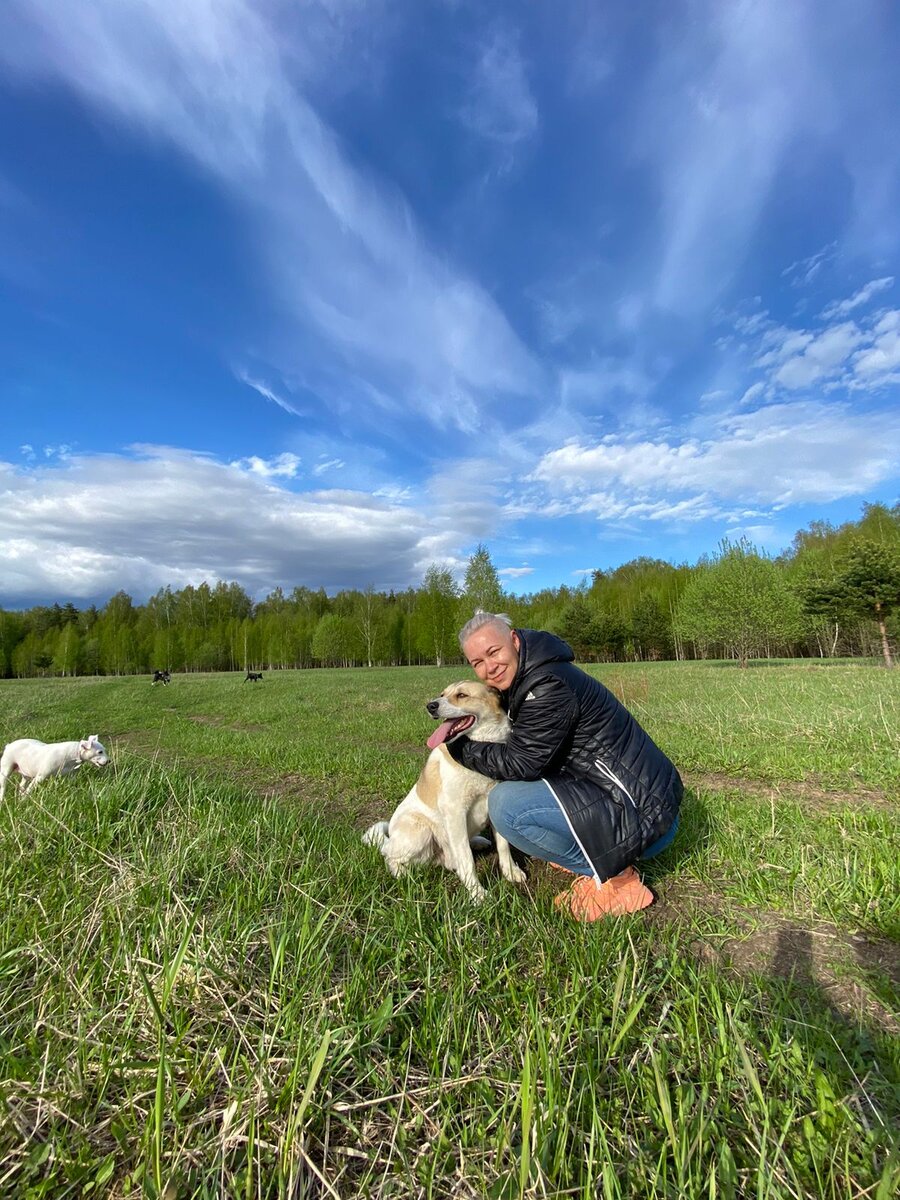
[{"x": 209, "y": 987}]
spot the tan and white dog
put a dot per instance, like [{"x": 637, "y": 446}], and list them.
[{"x": 448, "y": 805}]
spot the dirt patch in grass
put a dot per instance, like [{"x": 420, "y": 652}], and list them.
[
  {"x": 221, "y": 723},
  {"x": 140, "y": 741},
  {"x": 807, "y": 792}
]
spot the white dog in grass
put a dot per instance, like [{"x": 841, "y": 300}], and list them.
[
  {"x": 448, "y": 805},
  {"x": 36, "y": 760}
]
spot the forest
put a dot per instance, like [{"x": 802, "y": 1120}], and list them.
[{"x": 834, "y": 593}]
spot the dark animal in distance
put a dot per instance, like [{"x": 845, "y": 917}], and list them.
[
  {"x": 161, "y": 677},
  {"x": 253, "y": 677}
]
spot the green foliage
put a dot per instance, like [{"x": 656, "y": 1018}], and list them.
[
  {"x": 482, "y": 588},
  {"x": 579, "y": 627},
  {"x": 871, "y": 579},
  {"x": 335, "y": 641},
  {"x": 865, "y": 582},
  {"x": 436, "y": 616},
  {"x": 741, "y": 604},
  {"x": 651, "y": 628}
]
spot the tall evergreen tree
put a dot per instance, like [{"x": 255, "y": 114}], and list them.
[{"x": 871, "y": 578}]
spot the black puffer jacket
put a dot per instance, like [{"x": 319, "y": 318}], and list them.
[{"x": 617, "y": 789}]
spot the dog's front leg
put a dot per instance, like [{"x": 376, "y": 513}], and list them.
[
  {"x": 458, "y": 854},
  {"x": 508, "y": 868}
]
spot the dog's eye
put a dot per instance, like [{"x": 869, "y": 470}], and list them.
[{"x": 462, "y": 695}]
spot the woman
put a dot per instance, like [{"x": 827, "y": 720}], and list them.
[{"x": 582, "y": 785}]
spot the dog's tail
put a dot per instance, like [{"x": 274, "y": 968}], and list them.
[{"x": 376, "y": 835}]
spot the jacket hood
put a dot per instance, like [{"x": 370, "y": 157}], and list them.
[{"x": 540, "y": 647}]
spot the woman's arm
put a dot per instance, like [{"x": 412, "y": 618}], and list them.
[{"x": 538, "y": 740}]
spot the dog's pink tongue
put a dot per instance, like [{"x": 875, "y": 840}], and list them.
[{"x": 440, "y": 734}]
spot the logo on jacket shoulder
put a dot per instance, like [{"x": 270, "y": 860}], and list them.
[{"x": 531, "y": 696}]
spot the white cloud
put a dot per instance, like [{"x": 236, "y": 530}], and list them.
[
  {"x": 268, "y": 393},
  {"x": 746, "y": 96},
  {"x": 880, "y": 364},
  {"x": 752, "y": 393},
  {"x": 500, "y": 105},
  {"x": 780, "y": 343},
  {"x": 840, "y": 308},
  {"x": 330, "y": 464},
  {"x": 603, "y": 383},
  {"x": 821, "y": 357},
  {"x": 781, "y": 454},
  {"x": 85, "y": 527},
  {"x": 515, "y": 572},
  {"x": 850, "y": 355},
  {"x": 804, "y": 271},
  {"x": 281, "y": 466}
]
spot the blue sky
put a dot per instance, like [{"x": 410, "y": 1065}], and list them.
[{"x": 321, "y": 293}]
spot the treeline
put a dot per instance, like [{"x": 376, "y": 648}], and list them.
[{"x": 836, "y": 592}]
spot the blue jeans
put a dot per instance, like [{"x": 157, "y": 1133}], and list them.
[{"x": 527, "y": 815}]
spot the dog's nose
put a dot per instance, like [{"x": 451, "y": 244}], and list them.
[{"x": 432, "y": 707}]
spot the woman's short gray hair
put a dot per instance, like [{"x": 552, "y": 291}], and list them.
[{"x": 479, "y": 620}]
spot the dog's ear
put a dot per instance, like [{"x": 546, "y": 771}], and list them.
[{"x": 496, "y": 691}]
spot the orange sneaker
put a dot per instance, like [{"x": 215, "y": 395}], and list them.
[{"x": 624, "y": 893}]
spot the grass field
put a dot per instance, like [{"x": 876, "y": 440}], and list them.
[{"x": 209, "y": 987}]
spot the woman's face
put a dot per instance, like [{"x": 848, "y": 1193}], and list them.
[{"x": 493, "y": 654}]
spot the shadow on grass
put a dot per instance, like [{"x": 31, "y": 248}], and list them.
[{"x": 846, "y": 1043}]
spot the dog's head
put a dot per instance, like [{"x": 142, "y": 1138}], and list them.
[
  {"x": 469, "y": 707},
  {"x": 93, "y": 752}
]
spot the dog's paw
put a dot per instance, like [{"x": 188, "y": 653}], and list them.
[
  {"x": 376, "y": 835},
  {"x": 517, "y": 875},
  {"x": 477, "y": 894}
]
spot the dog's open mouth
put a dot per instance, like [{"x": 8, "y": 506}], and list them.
[{"x": 449, "y": 729}]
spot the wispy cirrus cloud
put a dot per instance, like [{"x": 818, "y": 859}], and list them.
[
  {"x": 268, "y": 393},
  {"x": 717, "y": 151},
  {"x": 340, "y": 248},
  {"x": 731, "y": 101},
  {"x": 499, "y": 105},
  {"x": 804, "y": 271},
  {"x": 330, "y": 464}
]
